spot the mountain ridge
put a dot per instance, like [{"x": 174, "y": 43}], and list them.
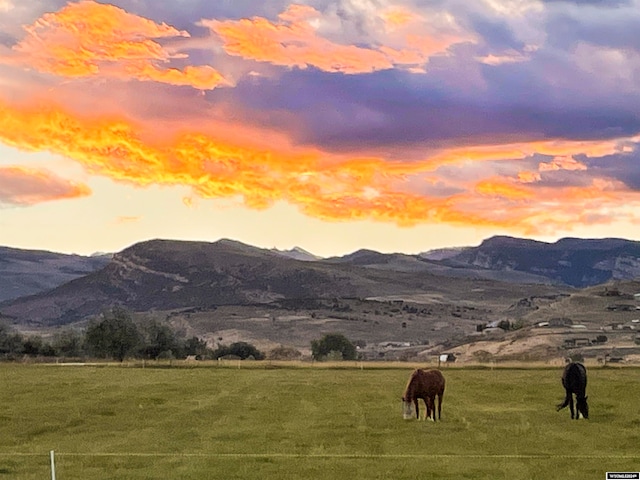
[
  {"x": 228, "y": 291},
  {"x": 164, "y": 274},
  {"x": 27, "y": 272}
]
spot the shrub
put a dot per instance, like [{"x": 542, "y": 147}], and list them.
[
  {"x": 115, "y": 336},
  {"x": 333, "y": 342},
  {"x": 242, "y": 350},
  {"x": 284, "y": 353}
]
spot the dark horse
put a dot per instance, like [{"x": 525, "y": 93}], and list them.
[
  {"x": 574, "y": 381},
  {"x": 424, "y": 384}
]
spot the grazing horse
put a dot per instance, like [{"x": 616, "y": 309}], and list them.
[
  {"x": 574, "y": 381},
  {"x": 424, "y": 384}
]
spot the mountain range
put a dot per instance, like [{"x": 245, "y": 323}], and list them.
[
  {"x": 227, "y": 286},
  {"x": 164, "y": 274},
  {"x": 27, "y": 272}
]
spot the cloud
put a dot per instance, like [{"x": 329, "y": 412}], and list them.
[
  {"x": 89, "y": 39},
  {"x": 296, "y": 40},
  {"x": 507, "y": 57},
  {"x": 6, "y": 5},
  {"x": 523, "y": 116},
  {"x": 30, "y": 186},
  {"x": 121, "y": 220},
  {"x": 562, "y": 163},
  {"x": 326, "y": 186},
  {"x": 595, "y": 3}
]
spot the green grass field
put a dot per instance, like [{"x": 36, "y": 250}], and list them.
[{"x": 312, "y": 423}]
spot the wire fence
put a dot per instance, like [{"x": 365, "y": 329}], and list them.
[
  {"x": 310, "y": 456},
  {"x": 329, "y": 455}
]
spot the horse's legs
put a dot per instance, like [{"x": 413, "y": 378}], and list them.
[
  {"x": 430, "y": 407},
  {"x": 440, "y": 404},
  {"x": 415, "y": 403},
  {"x": 571, "y": 405},
  {"x": 433, "y": 407},
  {"x": 427, "y": 407}
]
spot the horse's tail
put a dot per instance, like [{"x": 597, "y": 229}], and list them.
[{"x": 567, "y": 399}]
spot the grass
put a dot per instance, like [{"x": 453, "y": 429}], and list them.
[{"x": 106, "y": 422}]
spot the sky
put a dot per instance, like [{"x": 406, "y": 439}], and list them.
[{"x": 331, "y": 125}]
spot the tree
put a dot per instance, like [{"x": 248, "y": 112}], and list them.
[
  {"x": 284, "y": 353},
  {"x": 196, "y": 346},
  {"x": 115, "y": 336},
  {"x": 333, "y": 342},
  {"x": 239, "y": 349},
  {"x": 34, "y": 345},
  {"x": 11, "y": 343},
  {"x": 68, "y": 343},
  {"x": 158, "y": 340}
]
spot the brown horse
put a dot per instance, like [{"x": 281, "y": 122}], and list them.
[{"x": 424, "y": 384}]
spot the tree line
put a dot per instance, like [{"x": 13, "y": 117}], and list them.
[
  {"x": 116, "y": 336},
  {"x": 113, "y": 336}
]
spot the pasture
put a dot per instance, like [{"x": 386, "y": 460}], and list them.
[{"x": 113, "y": 422}]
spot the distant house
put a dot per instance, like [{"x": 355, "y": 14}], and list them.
[
  {"x": 492, "y": 331},
  {"x": 560, "y": 322},
  {"x": 577, "y": 342},
  {"x": 446, "y": 358},
  {"x": 621, "y": 307},
  {"x": 394, "y": 344}
]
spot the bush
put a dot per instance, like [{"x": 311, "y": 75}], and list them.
[
  {"x": 196, "y": 346},
  {"x": 11, "y": 343},
  {"x": 284, "y": 353},
  {"x": 242, "y": 350},
  {"x": 157, "y": 339},
  {"x": 68, "y": 343},
  {"x": 333, "y": 342},
  {"x": 116, "y": 336}
]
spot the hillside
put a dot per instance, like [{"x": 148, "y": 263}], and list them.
[
  {"x": 569, "y": 261},
  {"x": 164, "y": 275},
  {"x": 26, "y": 272},
  {"x": 394, "y": 305}
]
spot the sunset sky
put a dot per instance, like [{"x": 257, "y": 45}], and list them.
[{"x": 332, "y": 125}]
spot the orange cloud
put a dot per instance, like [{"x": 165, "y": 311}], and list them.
[
  {"x": 30, "y": 186},
  {"x": 295, "y": 41},
  {"x": 562, "y": 162},
  {"x": 6, "y": 5},
  {"x": 86, "y": 39},
  {"x": 528, "y": 177},
  {"x": 127, "y": 219},
  {"x": 329, "y": 187},
  {"x": 504, "y": 189},
  {"x": 561, "y": 149},
  {"x": 397, "y": 16}
]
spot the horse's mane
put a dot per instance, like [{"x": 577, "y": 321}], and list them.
[{"x": 417, "y": 372}]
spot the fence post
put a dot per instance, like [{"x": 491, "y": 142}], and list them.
[{"x": 53, "y": 466}]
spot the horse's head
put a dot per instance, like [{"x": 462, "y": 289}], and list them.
[
  {"x": 407, "y": 409},
  {"x": 582, "y": 406}
]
